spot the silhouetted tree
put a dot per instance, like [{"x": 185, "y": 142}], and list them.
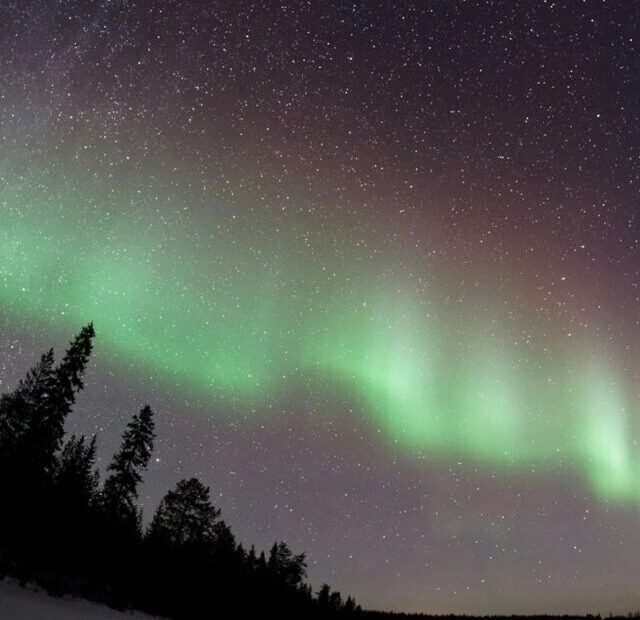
[
  {"x": 335, "y": 601},
  {"x": 76, "y": 483},
  {"x": 71, "y": 515},
  {"x": 262, "y": 562},
  {"x": 69, "y": 380},
  {"x": 289, "y": 568},
  {"x": 225, "y": 541},
  {"x": 323, "y": 596},
  {"x": 45, "y": 429},
  {"x": 185, "y": 516},
  {"x": 19, "y": 408},
  {"x": 349, "y": 605},
  {"x": 120, "y": 490},
  {"x": 20, "y": 491},
  {"x": 252, "y": 558},
  {"x": 31, "y": 432},
  {"x": 120, "y": 516}
]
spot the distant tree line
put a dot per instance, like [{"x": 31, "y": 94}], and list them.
[{"x": 62, "y": 527}]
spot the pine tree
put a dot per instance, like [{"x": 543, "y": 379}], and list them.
[
  {"x": 324, "y": 594},
  {"x": 31, "y": 432},
  {"x": 45, "y": 428},
  {"x": 121, "y": 487},
  {"x": 262, "y": 563},
  {"x": 19, "y": 408},
  {"x": 71, "y": 519},
  {"x": 289, "y": 568},
  {"x": 70, "y": 371},
  {"x": 76, "y": 478},
  {"x": 335, "y": 601},
  {"x": 252, "y": 558},
  {"x": 119, "y": 517},
  {"x": 20, "y": 491},
  {"x": 185, "y": 516},
  {"x": 224, "y": 539},
  {"x": 349, "y": 605}
]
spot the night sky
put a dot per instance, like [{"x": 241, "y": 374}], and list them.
[{"x": 375, "y": 266}]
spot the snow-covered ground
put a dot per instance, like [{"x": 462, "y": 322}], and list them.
[{"x": 17, "y": 603}]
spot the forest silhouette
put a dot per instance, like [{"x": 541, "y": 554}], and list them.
[{"x": 66, "y": 530}]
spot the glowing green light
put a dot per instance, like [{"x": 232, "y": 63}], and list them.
[{"x": 233, "y": 315}]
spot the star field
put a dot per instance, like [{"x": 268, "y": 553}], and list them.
[{"x": 375, "y": 265}]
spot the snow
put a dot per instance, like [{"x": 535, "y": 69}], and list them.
[{"x": 18, "y": 603}]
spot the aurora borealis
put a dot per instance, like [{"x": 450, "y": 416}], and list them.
[{"x": 375, "y": 264}]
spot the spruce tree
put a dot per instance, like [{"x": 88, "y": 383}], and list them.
[
  {"x": 349, "y": 605},
  {"x": 125, "y": 471},
  {"x": 324, "y": 595},
  {"x": 262, "y": 563},
  {"x": 252, "y": 558},
  {"x": 72, "y": 519},
  {"x": 76, "y": 479},
  {"x": 31, "y": 432},
  {"x": 19, "y": 488},
  {"x": 19, "y": 408},
  {"x": 119, "y": 517},
  {"x": 45, "y": 427}
]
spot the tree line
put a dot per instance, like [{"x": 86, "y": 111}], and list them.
[{"x": 64, "y": 528}]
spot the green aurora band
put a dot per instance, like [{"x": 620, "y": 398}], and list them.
[{"x": 239, "y": 314}]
